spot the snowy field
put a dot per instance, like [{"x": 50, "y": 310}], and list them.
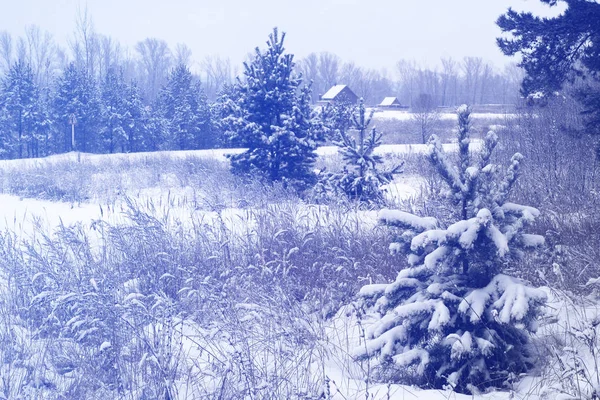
[
  {"x": 407, "y": 116},
  {"x": 22, "y": 214},
  {"x": 212, "y": 154},
  {"x": 171, "y": 201}
]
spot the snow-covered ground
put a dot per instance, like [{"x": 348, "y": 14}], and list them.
[
  {"x": 212, "y": 154},
  {"x": 26, "y": 216},
  {"x": 98, "y": 159},
  {"x": 23, "y": 216},
  {"x": 406, "y": 116}
]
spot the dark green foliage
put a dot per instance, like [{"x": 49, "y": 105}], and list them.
[
  {"x": 270, "y": 114},
  {"x": 220, "y": 110},
  {"x": 23, "y": 114},
  {"x": 136, "y": 128},
  {"x": 453, "y": 318},
  {"x": 589, "y": 97},
  {"x": 553, "y": 49},
  {"x": 558, "y": 50},
  {"x": 115, "y": 114},
  {"x": 77, "y": 95},
  {"x": 360, "y": 178},
  {"x": 184, "y": 107}
]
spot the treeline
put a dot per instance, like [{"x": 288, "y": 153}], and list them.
[
  {"x": 97, "y": 96},
  {"x": 79, "y": 112},
  {"x": 468, "y": 81}
]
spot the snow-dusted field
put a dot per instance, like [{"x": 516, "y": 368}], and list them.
[
  {"x": 213, "y": 154},
  {"x": 24, "y": 215},
  {"x": 28, "y": 216},
  {"x": 407, "y": 116}
]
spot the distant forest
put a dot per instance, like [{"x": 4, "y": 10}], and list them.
[{"x": 98, "y": 96}]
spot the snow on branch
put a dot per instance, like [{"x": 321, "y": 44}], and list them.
[
  {"x": 406, "y": 220},
  {"x": 509, "y": 297},
  {"x": 446, "y": 170}
]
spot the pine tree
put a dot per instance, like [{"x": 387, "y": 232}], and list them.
[
  {"x": 185, "y": 109},
  {"x": 221, "y": 111},
  {"x": 454, "y": 317},
  {"x": 135, "y": 126},
  {"x": 42, "y": 124},
  {"x": 65, "y": 103},
  {"x": 114, "y": 117},
  {"x": 557, "y": 50},
  {"x": 271, "y": 116},
  {"x": 204, "y": 137},
  {"x": 20, "y": 119},
  {"x": 361, "y": 178},
  {"x": 155, "y": 127},
  {"x": 77, "y": 95}
]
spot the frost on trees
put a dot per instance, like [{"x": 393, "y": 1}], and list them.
[
  {"x": 24, "y": 116},
  {"x": 361, "y": 177},
  {"x": 114, "y": 117},
  {"x": 185, "y": 110},
  {"x": 77, "y": 94},
  {"x": 270, "y": 114},
  {"x": 453, "y": 319}
]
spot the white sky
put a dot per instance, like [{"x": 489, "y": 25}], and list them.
[{"x": 374, "y": 34}]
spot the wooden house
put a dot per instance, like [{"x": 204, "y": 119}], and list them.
[
  {"x": 338, "y": 94},
  {"x": 391, "y": 102}
]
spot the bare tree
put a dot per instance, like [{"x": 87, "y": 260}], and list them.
[
  {"x": 449, "y": 82},
  {"x": 183, "y": 55},
  {"x": 309, "y": 68},
  {"x": 41, "y": 54},
  {"x": 110, "y": 54},
  {"x": 155, "y": 60},
  {"x": 428, "y": 81},
  {"x": 216, "y": 72},
  {"x": 425, "y": 116},
  {"x": 85, "y": 45},
  {"x": 487, "y": 77},
  {"x": 472, "y": 70},
  {"x": 6, "y": 50},
  {"x": 352, "y": 75},
  {"x": 22, "y": 53},
  {"x": 62, "y": 58},
  {"x": 369, "y": 84},
  {"x": 407, "y": 72},
  {"x": 514, "y": 76},
  {"x": 329, "y": 69},
  {"x": 381, "y": 86}
]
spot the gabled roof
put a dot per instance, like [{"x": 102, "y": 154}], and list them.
[
  {"x": 333, "y": 92},
  {"x": 390, "y": 101}
]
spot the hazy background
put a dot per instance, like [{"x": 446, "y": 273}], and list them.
[{"x": 372, "y": 34}]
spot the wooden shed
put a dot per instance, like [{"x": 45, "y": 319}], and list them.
[
  {"x": 339, "y": 94},
  {"x": 391, "y": 102}
]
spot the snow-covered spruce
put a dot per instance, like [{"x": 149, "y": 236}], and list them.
[
  {"x": 453, "y": 318},
  {"x": 360, "y": 179},
  {"x": 184, "y": 107},
  {"x": 115, "y": 117},
  {"x": 23, "y": 113},
  {"x": 270, "y": 114}
]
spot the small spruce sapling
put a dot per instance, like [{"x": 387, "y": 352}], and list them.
[
  {"x": 360, "y": 179},
  {"x": 453, "y": 319}
]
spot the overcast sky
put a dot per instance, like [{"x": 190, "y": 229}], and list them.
[{"x": 374, "y": 34}]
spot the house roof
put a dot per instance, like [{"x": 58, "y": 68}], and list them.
[
  {"x": 333, "y": 92},
  {"x": 389, "y": 101}
]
